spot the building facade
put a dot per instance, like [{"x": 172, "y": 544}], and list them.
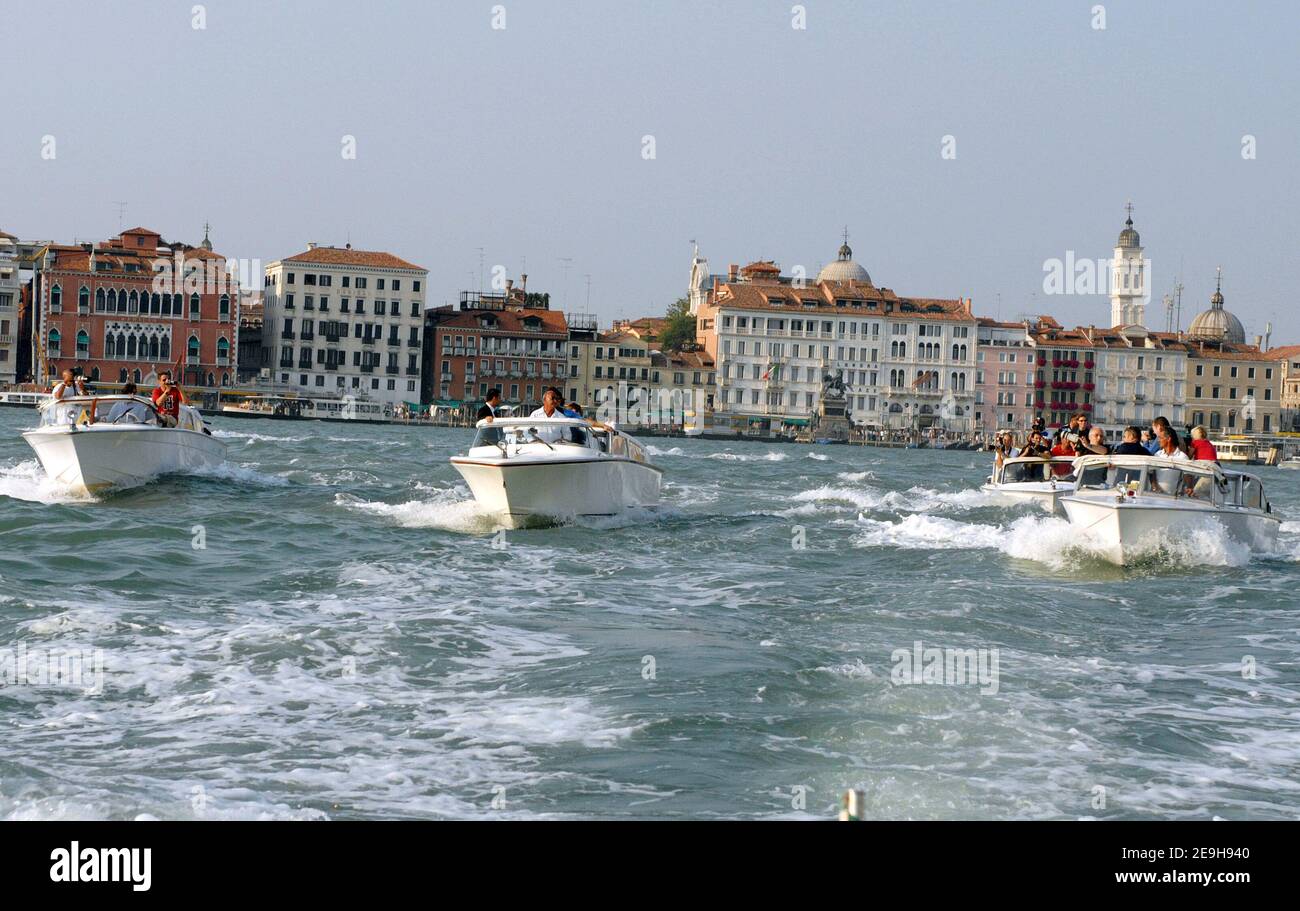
[
  {"x": 125, "y": 308},
  {"x": 1004, "y": 376},
  {"x": 1287, "y": 360},
  {"x": 10, "y": 298},
  {"x": 908, "y": 363},
  {"x": 341, "y": 322},
  {"x": 511, "y": 341}
]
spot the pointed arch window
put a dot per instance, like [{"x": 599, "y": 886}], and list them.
[
  {"x": 83, "y": 300},
  {"x": 192, "y": 350},
  {"x": 99, "y": 300},
  {"x": 54, "y": 341},
  {"x": 130, "y": 346},
  {"x": 164, "y": 349},
  {"x": 133, "y": 303},
  {"x": 83, "y": 343},
  {"x": 153, "y": 348},
  {"x": 56, "y": 299},
  {"x": 224, "y": 306},
  {"x": 194, "y": 305},
  {"x": 155, "y": 304}
]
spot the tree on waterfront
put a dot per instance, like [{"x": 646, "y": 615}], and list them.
[{"x": 679, "y": 332}]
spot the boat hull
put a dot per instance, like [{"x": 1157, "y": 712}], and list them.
[
  {"x": 1124, "y": 533},
  {"x": 96, "y": 460},
  {"x": 524, "y": 493},
  {"x": 1046, "y": 498}
]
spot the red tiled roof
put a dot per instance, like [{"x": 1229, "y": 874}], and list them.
[
  {"x": 509, "y": 321},
  {"x": 829, "y": 295},
  {"x": 342, "y": 256}
]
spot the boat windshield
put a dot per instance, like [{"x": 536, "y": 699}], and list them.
[
  {"x": 1105, "y": 477},
  {"x": 86, "y": 411},
  {"x": 1037, "y": 471},
  {"x": 522, "y": 433}
]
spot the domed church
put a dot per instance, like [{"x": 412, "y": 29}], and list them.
[
  {"x": 1217, "y": 324},
  {"x": 844, "y": 269}
]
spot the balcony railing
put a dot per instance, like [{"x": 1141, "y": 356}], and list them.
[{"x": 392, "y": 371}]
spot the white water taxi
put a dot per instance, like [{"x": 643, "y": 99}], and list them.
[
  {"x": 1237, "y": 452},
  {"x": 1130, "y": 505},
  {"x": 18, "y": 399},
  {"x": 538, "y": 471},
  {"x": 93, "y": 443},
  {"x": 1291, "y": 461},
  {"x": 1042, "y": 481}
]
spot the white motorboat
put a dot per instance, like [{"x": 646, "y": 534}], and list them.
[
  {"x": 19, "y": 399},
  {"x": 1041, "y": 481},
  {"x": 94, "y": 443},
  {"x": 1130, "y": 506},
  {"x": 1291, "y": 461},
  {"x": 1236, "y": 452},
  {"x": 539, "y": 471}
]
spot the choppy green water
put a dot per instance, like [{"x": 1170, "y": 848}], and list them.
[{"x": 350, "y": 643}]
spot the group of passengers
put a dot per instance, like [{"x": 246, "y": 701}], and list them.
[
  {"x": 1077, "y": 438},
  {"x": 167, "y": 399},
  {"x": 553, "y": 407}
]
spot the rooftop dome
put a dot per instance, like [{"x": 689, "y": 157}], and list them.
[
  {"x": 1217, "y": 324},
  {"x": 844, "y": 269},
  {"x": 1129, "y": 236}
]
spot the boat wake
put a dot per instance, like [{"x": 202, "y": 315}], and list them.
[
  {"x": 1051, "y": 541},
  {"x": 28, "y": 481}
]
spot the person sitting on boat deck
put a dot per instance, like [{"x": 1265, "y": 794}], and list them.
[
  {"x": 1202, "y": 448},
  {"x": 71, "y": 384},
  {"x": 168, "y": 399},
  {"x": 1131, "y": 444},
  {"x": 488, "y": 410},
  {"x": 1094, "y": 443},
  {"x": 130, "y": 411}
]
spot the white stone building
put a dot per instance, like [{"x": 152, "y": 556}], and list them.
[
  {"x": 908, "y": 363},
  {"x": 343, "y": 322}
]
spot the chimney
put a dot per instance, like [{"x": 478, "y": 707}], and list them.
[
  {"x": 733, "y": 271},
  {"x": 523, "y": 278},
  {"x": 312, "y": 245}
]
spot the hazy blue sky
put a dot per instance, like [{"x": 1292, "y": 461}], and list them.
[{"x": 527, "y": 141}]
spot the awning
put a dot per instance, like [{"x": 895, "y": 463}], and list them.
[
  {"x": 796, "y": 422},
  {"x": 448, "y": 403}
]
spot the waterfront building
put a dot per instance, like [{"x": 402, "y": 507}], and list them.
[
  {"x": 687, "y": 377},
  {"x": 124, "y": 308},
  {"x": 620, "y": 365},
  {"x": 10, "y": 299},
  {"x": 1005, "y": 375},
  {"x": 253, "y": 358},
  {"x": 908, "y": 363},
  {"x": 1287, "y": 359},
  {"x": 509, "y": 340},
  {"x": 1234, "y": 387},
  {"x": 583, "y": 341},
  {"x": 1141, "y": 376},
  {"x": 344, "y": 322}
]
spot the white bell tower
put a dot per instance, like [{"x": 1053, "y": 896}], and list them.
[{"x": 1128, "y": 278}]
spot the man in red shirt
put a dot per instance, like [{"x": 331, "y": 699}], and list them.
[{"x": 168, "y": 399}]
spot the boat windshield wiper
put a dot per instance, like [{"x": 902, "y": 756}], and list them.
[{"x": 536, "y": 439}]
